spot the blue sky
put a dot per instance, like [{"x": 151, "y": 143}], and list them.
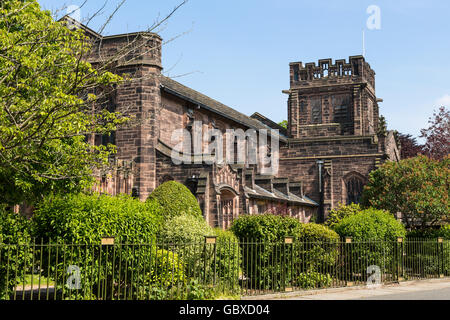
[{"x": 238, "y": 52}]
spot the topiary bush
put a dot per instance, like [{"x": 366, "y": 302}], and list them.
[
  {"x": 15, "y": 251},
  {"x": 175, "y": 200},
  {"x": 75, "y": 224},
  {"x": 341, "y": 212}
]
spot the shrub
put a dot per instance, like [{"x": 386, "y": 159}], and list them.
[
  {"x": 168, "y": 270},
  {"x": 312, "y": 232},
  {"x": 442, "y": 232},
  {"x": 416, "y": 187},
  {"x": 341, "y": 212},
  {"x": 78, "y": 222},
  {"x": 375, "y": 234},
  {"x": 175, "y": 200},
  {"x": 185, "y": 229},
  {"x": 371, "y": 224},
  {"x": 267, "y": 260},
  {"x": 316, "y": 249},
  {"x": 266, "y": 227},
  {"x": 421, "y": 246},
  {"x": 85, "y": 219},
  {"x": 15, "y": 253},
  {"x": 228, "y": 258},
  {"x": 313, "y": 280}
]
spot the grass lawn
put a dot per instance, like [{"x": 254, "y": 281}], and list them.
[{"x": 35, "y": 283}]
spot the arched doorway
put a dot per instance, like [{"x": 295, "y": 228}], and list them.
[{"x": 228, "y": 203}]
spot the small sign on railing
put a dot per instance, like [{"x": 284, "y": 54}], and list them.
[
  {"x": 289, "y": 240},
  {"x": 440, "y": 240},
  {"x": 108, "y": 241},
  {"x": 210, "y": 240},
  {"x": 348, "y": 240},
  {"x": 399, "y": 240}
]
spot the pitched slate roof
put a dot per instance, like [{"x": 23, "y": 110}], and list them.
[
  {"x": 261, "y": 193},
  {"x": 177, "y": 89}
]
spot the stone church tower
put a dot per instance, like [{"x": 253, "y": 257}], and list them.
[{"x": 333, "y": 128}]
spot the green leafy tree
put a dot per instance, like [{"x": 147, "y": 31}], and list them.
[
  {"x": 416, "y": 187},
  {"x": 284, "y": 124},
  {"x": 50, "y": 100}
]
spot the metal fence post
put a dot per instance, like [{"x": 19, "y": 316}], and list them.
[
  {"x": 210, "y": 240},
  {"x": 348, "y": 254},
  {"x": 288, "y": 241},
  {"x": 399, "y": 251},
  {"x": 441, "y": 257}
]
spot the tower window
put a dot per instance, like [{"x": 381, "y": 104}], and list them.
[
  {"x": 354, "y": 190},
  {"x": 316, "y": 110}
]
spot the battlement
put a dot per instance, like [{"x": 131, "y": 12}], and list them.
[{"x": 356, "y": 69}]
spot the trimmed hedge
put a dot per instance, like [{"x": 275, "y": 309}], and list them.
[
  {"x": 83, "y": 220},
  {"x": 175, "y": 200}
]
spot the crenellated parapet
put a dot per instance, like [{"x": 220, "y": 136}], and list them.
[{"x": 341, "y": 71}]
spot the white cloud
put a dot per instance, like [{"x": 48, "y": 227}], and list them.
[{"x": 443, "y": 101}]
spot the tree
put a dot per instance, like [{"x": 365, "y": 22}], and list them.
[
  {"x": 437, "y": 135},
  {"x": 409, "y": 146},
  {"x": 51, "y": 100},
  {"x": 284, "y": 124},
  {"x": 416, "y": 187}
]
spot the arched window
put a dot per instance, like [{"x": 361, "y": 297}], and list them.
[{"x": 354, "y": 188}]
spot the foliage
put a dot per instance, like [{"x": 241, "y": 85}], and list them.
[
  {"x": 266, "y": 227},
  {"x": 371, "y": 224},
  {"x": 442, "y": 232},
  {"x": 416, "y": 187},
  {"x": 284, "y": 124},
  {"x": 78, "y": 223},
  {"x": 14, "y": 253},
  {"x": 267, "y": 260},
  {"x": 437, "y": 135},
  {"x": 85, "y": 219},
  {"x": 48, "y": 105},
  {"x": 168, "y": 270},
  {"x": 374, "y": 233},
  {"x": 228, "y": 257},
  {"x": 313, "y": 280},
  {"x": 312, "y": 232},
  {"x": 410, "y": 148},
  {"x": 175, "y": 199},
  {"x": 185, "y": 229},
  {"x": 336, "y": 215}
]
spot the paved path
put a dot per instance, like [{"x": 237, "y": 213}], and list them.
[{"x": 437, "y": 289}]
